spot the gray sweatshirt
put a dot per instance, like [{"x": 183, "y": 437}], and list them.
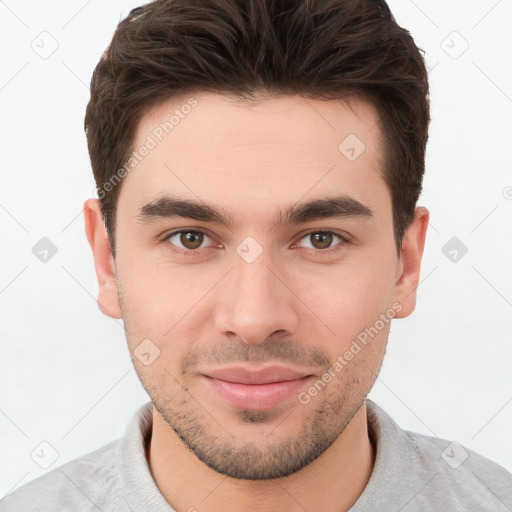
[{"x": 412, "y": 472}]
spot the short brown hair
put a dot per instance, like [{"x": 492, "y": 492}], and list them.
[{"x": 324, "y": 49}]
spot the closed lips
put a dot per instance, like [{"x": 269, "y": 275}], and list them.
[{"x": 265, "y": 376}]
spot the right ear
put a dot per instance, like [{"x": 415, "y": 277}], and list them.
[{"x": 108, "y": 300}]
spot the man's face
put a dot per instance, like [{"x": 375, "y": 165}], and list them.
[{"x": 231, "y": 308}]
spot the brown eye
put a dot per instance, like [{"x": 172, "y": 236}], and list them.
[
  {"x": 322, "y": 240},
  {"x": 187, "y": 239},
  {"x": 191, "y": 239}
]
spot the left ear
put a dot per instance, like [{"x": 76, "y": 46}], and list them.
[{"x": 408, "y": 273}]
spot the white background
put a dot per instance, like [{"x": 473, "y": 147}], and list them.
[{"x": 66, "y": 376}]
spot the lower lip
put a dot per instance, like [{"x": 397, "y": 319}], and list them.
[{"x": 257, "y": 397}]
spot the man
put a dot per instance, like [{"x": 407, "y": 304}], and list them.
[{"x": 258, "y": 165}]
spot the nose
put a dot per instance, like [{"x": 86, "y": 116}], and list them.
[{"x": 256, "y": 302}]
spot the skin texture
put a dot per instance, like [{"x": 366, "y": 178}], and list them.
[{"x": 295, "y": 305}]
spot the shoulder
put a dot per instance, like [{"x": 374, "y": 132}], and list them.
[
  {"x": 414, "y": 471},
  {"x": 462, "y": 475},
  {"x": 90, "y": 482}
]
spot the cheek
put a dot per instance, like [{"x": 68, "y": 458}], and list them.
[
  {"x": 156, "y": 293},
  {"x": 348, "y": 298},
  {"x": 165, "y": 305}
]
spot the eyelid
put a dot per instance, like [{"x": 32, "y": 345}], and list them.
[
  {"x": 346, "y": 239},
  {"x": 167, "y": 236}
]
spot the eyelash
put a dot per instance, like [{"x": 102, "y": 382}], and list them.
[{"x": 194, "y": 252}]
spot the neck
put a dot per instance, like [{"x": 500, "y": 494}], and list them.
[{"x": 333, "y": 482}]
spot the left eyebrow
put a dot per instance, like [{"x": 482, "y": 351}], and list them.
[{"x": 169, "y": 207}]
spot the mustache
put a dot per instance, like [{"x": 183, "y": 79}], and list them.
[{"x": 240, "y": 352}]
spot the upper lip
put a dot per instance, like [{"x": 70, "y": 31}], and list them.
[{"x": 263, "y": 376}]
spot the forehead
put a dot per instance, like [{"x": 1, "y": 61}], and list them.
[{"x": 255, "y": 154}]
